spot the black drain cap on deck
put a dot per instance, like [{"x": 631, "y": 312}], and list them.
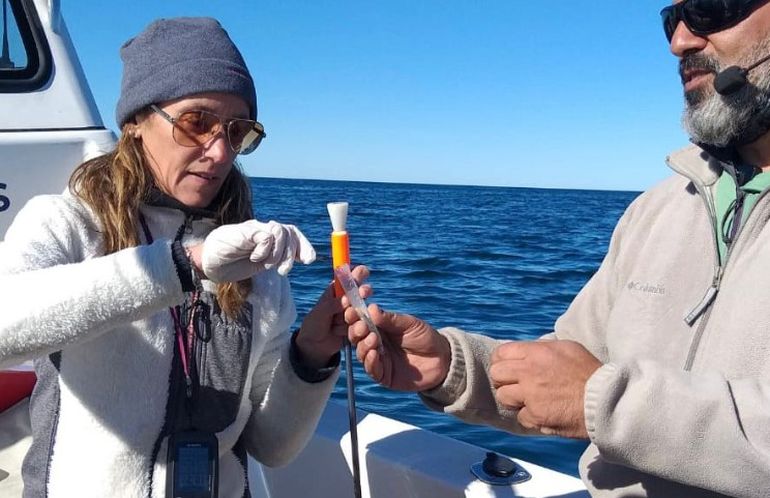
[
  {"x": 497, "y": 466},
  {"x": 499, "y": 471}
]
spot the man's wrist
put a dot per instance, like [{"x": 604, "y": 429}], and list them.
[
  {"x": 445, "y": 356},
  {"x": 451, "y": 380}
]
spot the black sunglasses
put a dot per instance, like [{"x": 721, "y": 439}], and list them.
[{"x": 704, "y": 17}]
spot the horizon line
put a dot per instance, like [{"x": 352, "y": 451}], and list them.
[{"x": 427, "y": 184}]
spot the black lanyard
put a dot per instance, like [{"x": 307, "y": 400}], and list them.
[{"x": 185, "y": 337}]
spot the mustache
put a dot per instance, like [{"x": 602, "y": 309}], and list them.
[{"x": 697, "y": 62}]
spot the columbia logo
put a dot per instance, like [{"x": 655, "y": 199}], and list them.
[{"x": 642, "y": 287}]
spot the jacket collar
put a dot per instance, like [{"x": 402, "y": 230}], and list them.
[
  {"x": 696, "y": 164},
  {"x": 703, "y": 164}
]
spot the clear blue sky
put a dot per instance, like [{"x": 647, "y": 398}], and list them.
[{"x": 560, "y": 93}]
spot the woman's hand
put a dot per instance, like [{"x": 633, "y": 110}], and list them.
[
  {"x": 323, "y": 329},
  {"x": 414, "y": 357},
  {"x": 235, "y": 252}
]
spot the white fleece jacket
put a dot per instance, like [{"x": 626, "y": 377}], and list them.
[{"x": 101, "y": 335}]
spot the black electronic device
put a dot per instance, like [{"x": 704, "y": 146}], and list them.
[
  {"x": 734, "y": 78},
  {"x": 192, "y": 465}
]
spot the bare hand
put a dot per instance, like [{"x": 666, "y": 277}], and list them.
[
  {"x": 545, "y": 381},
  {"x": 416, "y": 357},
  {"x": 324, "y": 327}
]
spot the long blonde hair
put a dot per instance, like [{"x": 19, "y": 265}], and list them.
[{"x": 116, "y": 183}]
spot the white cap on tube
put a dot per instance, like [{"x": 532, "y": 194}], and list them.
[{"x": 338, "y": 213}]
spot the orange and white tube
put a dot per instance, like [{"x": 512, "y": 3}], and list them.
[{"x": 338, "y": 213}]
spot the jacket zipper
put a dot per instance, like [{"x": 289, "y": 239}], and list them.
[
  {"x": 185, "y": 228},
  {"x": 704, "y": 305},
  {"x": 708, "y": 298},
  {"x": 711, "y": 292}
]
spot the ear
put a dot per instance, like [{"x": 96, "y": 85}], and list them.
[
  {"x": 131, "y": 129},
  {"x": 137, "y": 124}
]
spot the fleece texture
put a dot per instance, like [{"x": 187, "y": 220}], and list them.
[
  {"x": 100, "y": 333},
  {"x": 681, "y": 406},
  {"x": 177, "y": 57}
]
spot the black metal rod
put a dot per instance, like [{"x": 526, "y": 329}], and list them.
[
  {"x": 352, "y": 417},
  {"x": 5, "y": 57}
]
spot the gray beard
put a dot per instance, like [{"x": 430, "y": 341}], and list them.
[{"x": 736, "y": 119}]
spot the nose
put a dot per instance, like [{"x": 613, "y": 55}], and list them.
[
  {"x": 683, "y": 41},
  {"x": 218, "y": 149}
]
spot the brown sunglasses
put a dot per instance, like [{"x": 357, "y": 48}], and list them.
[{"x": 195, "y": 128}]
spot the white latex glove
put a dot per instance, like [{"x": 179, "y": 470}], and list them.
[{"x": 236, "y": 252}]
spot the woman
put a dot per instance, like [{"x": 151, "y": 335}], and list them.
[{"x": 161, "y": 309}]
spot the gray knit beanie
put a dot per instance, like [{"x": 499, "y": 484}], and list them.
[{"x": 182, "y": 56}]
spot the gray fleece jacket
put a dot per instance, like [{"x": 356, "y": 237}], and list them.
[
  {"x": 101, "y": 335},
  {"x": 681, "y": 406}
]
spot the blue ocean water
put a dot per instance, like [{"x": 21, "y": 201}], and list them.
[{"x": 505, "y": 262}]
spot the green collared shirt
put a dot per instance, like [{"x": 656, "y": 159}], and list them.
[{"x": 727, "y": 204}]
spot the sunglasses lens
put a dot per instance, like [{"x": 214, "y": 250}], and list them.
[
  {"x": 709, "y": 16},
  {"x": 196, "y": 127},
  {"x": 244, "y": 135},
  {"x": 670, "y": 18},
  {"x": 704, "y": 17}
]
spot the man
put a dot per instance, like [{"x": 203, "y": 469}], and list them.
[{"x": 663, "y": 358}]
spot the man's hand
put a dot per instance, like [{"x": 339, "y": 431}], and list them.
[
  {"x": 415, "y": 357},
  {"x": 545, "y": 381}
]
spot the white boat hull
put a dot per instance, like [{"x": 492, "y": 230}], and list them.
[{"x": 396, "y": 460}]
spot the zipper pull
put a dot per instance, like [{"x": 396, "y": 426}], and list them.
[{"x": 707, "y": 299}]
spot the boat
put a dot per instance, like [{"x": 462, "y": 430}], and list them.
[{"x": 50, "y": 123}]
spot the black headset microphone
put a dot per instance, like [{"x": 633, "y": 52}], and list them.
[{"x": 734, "y": 78}]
